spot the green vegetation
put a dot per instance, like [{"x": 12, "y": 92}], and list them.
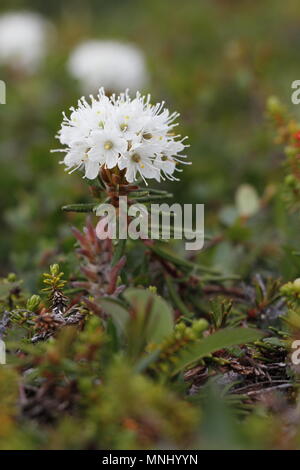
[{"x": 140, "y": 345}]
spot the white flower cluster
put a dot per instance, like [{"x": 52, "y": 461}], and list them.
[
  {"x": 23, "y": 40},
  {"x": 111, "y": 64},
  {"x": 119, "y": 131}
]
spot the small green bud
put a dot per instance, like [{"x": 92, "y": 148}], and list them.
[
  {"x": 291, "y": 288},
  {"x": 290, "y": 180},
  {"x": 199, "y": 326},
  {"x": 274, "y": 106},
  {"x": 54, "y": 269},
  {"x": 180, "y": 326},
  {"x": 190, "y": 334},
  {"x": 33, "y": 302},
  {"x": 153, "y": 289},
  {"x": 12, "y": 277},
  {"x": 178, "y": 335}
]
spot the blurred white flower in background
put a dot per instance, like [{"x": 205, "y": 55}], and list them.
[
  {"x": 23, "y": 40},
  {"x": 128, "y": 133},
  {"x": 111, "y": 64}
]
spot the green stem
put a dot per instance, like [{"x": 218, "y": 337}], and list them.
[{"x": 177, "y": 299}]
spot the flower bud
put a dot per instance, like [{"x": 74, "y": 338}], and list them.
[
  {"x": 290, "y": 180},
  {"x": 54, "y": 269},
  {"x": 274, "y": 106},
  {"x": 33, "y": 302},
  {"x": 199, "y": 326},
  {"x": 153, "y": 289},
  {"x": 291, "y": 288}
]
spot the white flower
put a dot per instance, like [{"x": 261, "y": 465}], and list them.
[
  {"x": 106, "y": 146},
  {"x": 167, "y": 159},
  {"x": 166, "y": 164},
  {"x": 132, "y": 134},
  {"x": 138, "y": 161},
  {"x": 111, "y": 64},
  {"x": 23, "y": 40},
  {"x": 78, "y": 157}
]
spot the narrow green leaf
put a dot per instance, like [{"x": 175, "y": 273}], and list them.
[
  {"x": 179, "y": 261},
  {"x": 79, "y": 207},
  {"x": 222, "y": 339},
  {"x": 176, "y": 297},
  {"x": 154, "y": 198}
]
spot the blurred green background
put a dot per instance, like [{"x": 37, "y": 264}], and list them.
[{"x": 215, "y": 62}]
